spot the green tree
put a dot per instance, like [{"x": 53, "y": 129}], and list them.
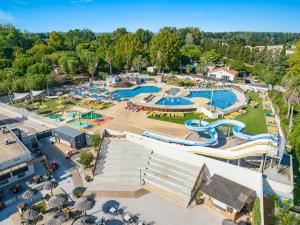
[
  {"x": 292, "y": 97},
  {"x": 127, "y": 47},
  {"x": 69, "y": 63},
  {"x": 95, "y": 140},
  {"x": 191, "y": 51},
  {"x": 56, "y": 41},
  {"x": 85, "y": 159},
  {"x": 164, "y": 49},
  {"x": 39, "y": 68}
]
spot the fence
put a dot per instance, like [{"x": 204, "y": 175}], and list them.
[{"x": 26, "y": 114}]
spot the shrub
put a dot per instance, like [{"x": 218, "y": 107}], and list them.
[
  {"x": 41, "y": 206},
  {"x": 85, "y": 159},
  {"x": 88, "y": 178},
  {"x": 256, "y": 212},
  {"x": 95, "y": 140},
  {"x": 77, "y": 193}
]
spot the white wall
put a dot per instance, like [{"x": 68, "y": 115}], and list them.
[{"x": 220, "y": 75}]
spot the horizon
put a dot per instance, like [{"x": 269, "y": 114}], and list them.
[{"x": 103, "y": 16}]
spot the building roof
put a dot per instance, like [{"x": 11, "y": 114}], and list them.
[
  {"x": 14, "y": 150},
  {"x": 230, "y": 193},
  {"x": 69, "y": 131},
  {"x": 233, "y": 72}
]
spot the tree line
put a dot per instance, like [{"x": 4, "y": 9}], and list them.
[{"x": 31, "y": 61}]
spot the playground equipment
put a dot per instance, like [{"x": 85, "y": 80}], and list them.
[{"x": 256, "y": 145}]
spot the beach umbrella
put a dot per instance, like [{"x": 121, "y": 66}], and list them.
[
  {"x": 53, "y": 221},
  {"x": 50, "y": 185},
  {"x": 31, "y": 214},
  {"x": 29, "y": 194},
  {"x": 228, "y": 222},
  {"x": 57, "y": 200},
  {"x": 86, "y": 203},
  {"x": 84, "y": 221},
  {"x": 57, "y": 219}
]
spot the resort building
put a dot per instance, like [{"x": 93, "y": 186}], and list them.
[
  {"x": 228, "y": 197},
  {"x": 69, "y": 136},
  {"x": 223, "y": 73},
  {"x": 15, "y": 158}
]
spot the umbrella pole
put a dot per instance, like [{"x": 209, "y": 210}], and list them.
[{"x": 51, "y": 192}]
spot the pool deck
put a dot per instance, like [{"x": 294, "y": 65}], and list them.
[{"x": 137, "y": 122}]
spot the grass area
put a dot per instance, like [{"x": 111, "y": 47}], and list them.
[
  {"x": 254, "y": 118},
  {"x": 51, "y": 105},
  {"x": 187, "y": 116}
]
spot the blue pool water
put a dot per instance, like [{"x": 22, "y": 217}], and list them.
[
  {"x": 221, "y": 98},
  {"x": 174, "y": 101},
  {"x": 130, "y": 93}
]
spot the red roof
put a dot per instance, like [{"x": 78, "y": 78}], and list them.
[{"x": 233, "y": 72}]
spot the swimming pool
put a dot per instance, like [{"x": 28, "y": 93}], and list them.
[
  {"x": 130, "y": 93},
  {"x": 174, "y": 101},
  {"x": 220, "y": 98},
  {"x": 82, "y": 124}
]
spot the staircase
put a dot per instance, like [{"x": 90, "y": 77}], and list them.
[
  {"x": 172, "y": 175},
  {"x": 121, "y": 164}
]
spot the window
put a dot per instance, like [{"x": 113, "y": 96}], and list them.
[
  {"x": 212, "y": 75},
  {"x": 3, "y": 182},
  {"x": 20, "y": 171}
]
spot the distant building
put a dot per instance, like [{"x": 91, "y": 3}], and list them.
[
  {"x": 15, "y": 159},
  {"x": 111, "y": 80},
  {"x": 70, "y": 137},
  {"x": 222, "y": 73},
  {"x": 152, "y": 69}
]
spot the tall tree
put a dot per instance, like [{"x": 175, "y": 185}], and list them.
[{"x": 164, "y": 49}]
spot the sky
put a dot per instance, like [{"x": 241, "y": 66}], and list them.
[{"x": 107, "y": 15}]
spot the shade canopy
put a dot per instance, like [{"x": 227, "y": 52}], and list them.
[
  {"x": 57, "y": 200},
  {"x": 30, "y": 214},
  {"x": 50, "y": 185},
  {"x": 228, "y": 222},
  {"x": 20, "y": 96},
  {"x": 84, "y": 221},
  {"x": 86, "y": 203},
  {"x": 57, "y": 218},
  {"x": 29, "y": 194}
]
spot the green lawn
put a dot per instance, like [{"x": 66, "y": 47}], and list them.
[
  {"x": 254, "y": 118},
  {"x": 51, "y": 104}
]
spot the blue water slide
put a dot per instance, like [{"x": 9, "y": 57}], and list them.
[
  {"x": 238, "y": 127},
  {"x": 203, "y": 126}
]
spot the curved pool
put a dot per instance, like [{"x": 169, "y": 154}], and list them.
[
  {"x": 130, "y": 93},
  {"x": 174, "y": 101},
  {"x": 220, "y": 98}
]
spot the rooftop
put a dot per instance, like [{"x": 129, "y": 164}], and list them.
[
  {"x": 68, "y": 131},
  {"x": 233, "y": 72},
  {"x": 227, "y": 191},
  {"x": 11, "y": 151}
]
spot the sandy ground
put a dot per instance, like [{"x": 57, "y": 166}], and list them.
[{"x": 137, "y": 122}]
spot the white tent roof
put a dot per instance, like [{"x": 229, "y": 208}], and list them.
[
  {"x": 20, "y": 96},
  {"x": 37, "y": 93}
]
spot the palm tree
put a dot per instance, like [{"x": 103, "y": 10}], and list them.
[{"x": 292, "y": 97}]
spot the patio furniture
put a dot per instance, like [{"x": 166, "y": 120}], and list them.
[
  {"x": 112, "y": 210},
  {"x": 127, "y": 218},
  {"x": 37, "y": 179}
]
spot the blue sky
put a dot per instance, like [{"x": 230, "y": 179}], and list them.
[{"x": 102, "y": 16}]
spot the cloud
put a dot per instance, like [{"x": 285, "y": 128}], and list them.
[
  {"x": 197, "y": 14},
  {"x": 5, "y": 16},
  {"x": 20, "y": 2},
  {"x": 79, "y": 1}
]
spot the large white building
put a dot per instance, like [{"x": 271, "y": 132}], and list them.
[
  {"x": 14, "y": 159},
  {"x": 223, "y": 74}
]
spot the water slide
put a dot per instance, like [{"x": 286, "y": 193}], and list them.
[{"x": 257, "y": 145}]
